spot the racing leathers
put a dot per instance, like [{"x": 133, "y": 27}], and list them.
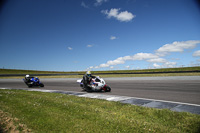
[
  {"x": 86, "y": 82},
  {"x": 27, "y": 79}
]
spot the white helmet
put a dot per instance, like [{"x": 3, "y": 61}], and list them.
[
  {"x": 27, "y": 76},
  {"x": 88, "y": 73}
]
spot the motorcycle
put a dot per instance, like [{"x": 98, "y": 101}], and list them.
[
  {"x": 33, "y": 81},
  {"x": 96, "y": 84}
]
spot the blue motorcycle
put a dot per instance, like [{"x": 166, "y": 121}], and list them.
[{"x": 33, "y": 81}]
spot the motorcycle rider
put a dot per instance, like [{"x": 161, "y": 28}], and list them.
[
  {"x": 86, "y": 80},
  {"x": 27, "y": 78}
]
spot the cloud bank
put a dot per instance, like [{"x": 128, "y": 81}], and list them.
[
  {"x": 177, "y": 46},
  {"x": 154, "y": 57}
]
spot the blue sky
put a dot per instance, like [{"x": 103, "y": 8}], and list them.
[{"x": 77, "y": 35}]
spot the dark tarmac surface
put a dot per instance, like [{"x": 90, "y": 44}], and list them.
[{"x": 176, "y": 89}]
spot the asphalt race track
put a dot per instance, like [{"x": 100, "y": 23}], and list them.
[{"x": 178, "y": 89}]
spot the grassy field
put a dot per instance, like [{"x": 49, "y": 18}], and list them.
[
  {"x": 152, "y": 70},
  {"x": 51, "y": 112},
  {"x": 14, "y": 71},
  {"x": 115, "y": 75},
  {"x": 109, "y": 73}
]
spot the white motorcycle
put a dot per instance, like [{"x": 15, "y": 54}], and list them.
[{"x": 96, "y": 84}]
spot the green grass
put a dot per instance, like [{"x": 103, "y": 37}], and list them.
[
  {"x": 115, "y": 75},
  {"x": 151, "y": 75},
  {"x": 152, "y": 70},
  {"x": 51, "y": 112},
  {"x": 15, "y": 71},
  {"x": 110, "y": 73}
]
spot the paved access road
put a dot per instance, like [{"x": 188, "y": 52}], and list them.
[{"x": 178, "y": 89}]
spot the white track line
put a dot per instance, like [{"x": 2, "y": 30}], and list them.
[{"x": 166, "y": 101}]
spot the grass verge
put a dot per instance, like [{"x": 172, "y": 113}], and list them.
[
  {"x": 191, "y": 71},
  {"x": 115, "y": 75},
  {"x": 16, "y": 71},
  {"x": 51, "y": 112}
]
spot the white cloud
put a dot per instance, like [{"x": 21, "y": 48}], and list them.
[
  {"x": 70, "y": 48},
  {"x": 122, "y": 60},
  {"x": 144, "y": 56},
  {"x": 100, "y": 2},
  {"x": 103, "y": 65},
  {"x": 89, "y": 46},
  {"x": 91, "y": 67},
  {"x": 156, "y": 65},
  {"x": 112, "y": 13},
  {"x": 84, "y": 5},
  {"x": 128, "y": 57},
  {"x": 96, "y": 67},
  {"x": 128, "y": 67},
  {"x": 139, "y": 56},
  {"x": 166, "y": 64},
  {"x": 123, "y": 16},
  {"x": 111, "y": 67},
  {"x": 117, "y": 61},
  {"x": 157, "y": 60},
  {"x": 196, "y": 53},
  {"x": 113, "y": 37},
  {"x": 177, "y": 47},
  {"x": 169, "y": 64}
]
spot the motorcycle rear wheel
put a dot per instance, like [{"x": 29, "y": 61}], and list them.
[
  {"x": 108, "y": 89},
  {"x": 41, "y": 85},
  {"x": 29, "y": 85}
]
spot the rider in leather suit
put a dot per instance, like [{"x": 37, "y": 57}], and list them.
[{"x": 86, "y": 80}]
